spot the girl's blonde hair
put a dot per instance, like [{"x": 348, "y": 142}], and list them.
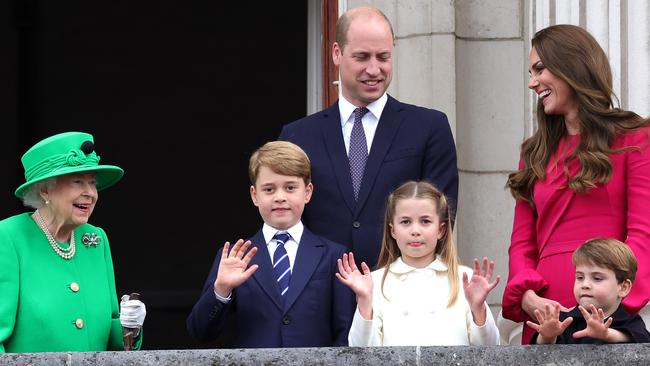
[{"x": 445, "y": 248}]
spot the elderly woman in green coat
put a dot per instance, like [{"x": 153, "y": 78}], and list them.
[{"x": 57, "y": 286}]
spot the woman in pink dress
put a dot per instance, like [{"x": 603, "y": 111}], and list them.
[{"x": 585, "y": 173}]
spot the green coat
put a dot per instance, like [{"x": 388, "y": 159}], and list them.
[{"x": 39, "y": 309}]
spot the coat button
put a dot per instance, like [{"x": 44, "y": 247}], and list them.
[
  {"x": 286, "y": 320},
  {"x": 79, "y": 323},
  {"x": 74, "y": 287},
  {"x": 356, "y": 224}
]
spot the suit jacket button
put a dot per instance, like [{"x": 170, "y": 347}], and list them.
[
  {"x": 79, "y": 323},
  {"x": 74, "y": 287},
  {"x": 356, "y": 224},
  {"x": 286, "y": 320}
]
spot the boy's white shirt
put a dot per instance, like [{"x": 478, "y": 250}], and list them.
[
  {"x": 291, "y": 246},
  {"x": 416, "y": 313}
]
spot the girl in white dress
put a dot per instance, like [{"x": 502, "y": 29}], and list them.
[{"x": 414, "y": 298}]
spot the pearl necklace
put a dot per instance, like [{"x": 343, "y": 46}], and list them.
[{"x": 65, "y": 253}]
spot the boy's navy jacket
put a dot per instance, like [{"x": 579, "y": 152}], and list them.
[
  {"x": 633, "y": 325},
  {"x": 317, "y": 311}
]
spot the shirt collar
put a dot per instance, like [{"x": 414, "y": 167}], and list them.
[
  {"x": 295, "y": 231},
  {"x": 346, "y": 108},
  {"x": 399, "y": 267}
]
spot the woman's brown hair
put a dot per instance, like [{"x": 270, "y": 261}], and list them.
[{"x": 573, "y": 55}]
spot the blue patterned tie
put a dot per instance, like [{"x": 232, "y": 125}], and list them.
[
  {"x": 358, "y": 151},
  {"x": 281, "y": 263}
]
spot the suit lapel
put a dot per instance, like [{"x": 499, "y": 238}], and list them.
[
  {"x": 386, "y": 129},
  {"x": 333, "y": 136},
  {"x": 310, "y": 252},
  {"x": 265, "y": 276}
]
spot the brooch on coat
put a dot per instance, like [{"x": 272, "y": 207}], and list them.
[{"x": 91, "y": 240}]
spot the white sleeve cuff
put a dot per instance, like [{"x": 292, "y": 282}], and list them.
[
  {"x": 486, "y": 334},
  {"x": 362, "y": 331},
  {"x": 222, "y": 299}
]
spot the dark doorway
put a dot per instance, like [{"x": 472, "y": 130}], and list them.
[{"x": 178, "y": 93}]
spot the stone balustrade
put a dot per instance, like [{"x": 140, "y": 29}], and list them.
[{"x": 607, "y": 355}]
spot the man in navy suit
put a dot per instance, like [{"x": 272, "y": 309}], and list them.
[
  {"x": 283, "y": 291},
  {"x": 403, "y": 141}
]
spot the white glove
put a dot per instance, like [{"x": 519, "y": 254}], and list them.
[{"x": 132, "y": 312}]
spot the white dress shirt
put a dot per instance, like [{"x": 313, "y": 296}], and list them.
[
  {"x": 295, "y": 233},
  {"x": 370, "y": 120},
  {"x": 414, "y": 311}
]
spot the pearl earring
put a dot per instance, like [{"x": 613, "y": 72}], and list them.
[{"x": 47, "y": 202}]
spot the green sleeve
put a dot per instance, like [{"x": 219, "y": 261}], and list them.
[
  {"x": 115, "y": 342},
  {"x": 9, "y": 288}
]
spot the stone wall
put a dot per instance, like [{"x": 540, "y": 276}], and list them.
[{"x": 606, "y": 355}]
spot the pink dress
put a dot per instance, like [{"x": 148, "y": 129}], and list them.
[{"x": 544, "y": 238}]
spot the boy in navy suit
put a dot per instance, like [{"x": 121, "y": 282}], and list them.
[
  {"x": 605, "y": 271},
  {"x": 279, "y": 285}
]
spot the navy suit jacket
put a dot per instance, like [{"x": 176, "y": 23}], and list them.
[
  {"x": 411, "y": 143},
  {"x": 317, "y": 311}
]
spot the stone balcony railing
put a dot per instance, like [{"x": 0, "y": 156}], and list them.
[{"x": 606, "y": 355}]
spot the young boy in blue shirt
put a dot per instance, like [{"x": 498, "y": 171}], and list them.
[
  {"x": 605, "y": 271},
  {"x": 279, "y": 285}
]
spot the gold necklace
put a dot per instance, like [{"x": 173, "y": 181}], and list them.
[{"x": 65, "y": 253}]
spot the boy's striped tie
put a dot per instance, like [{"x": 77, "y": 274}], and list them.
[{"x": 281, "y": 263}]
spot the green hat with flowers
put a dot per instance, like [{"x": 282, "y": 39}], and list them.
[{"x": 65, "y": 153}]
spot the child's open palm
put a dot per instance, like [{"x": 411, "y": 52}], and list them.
[
  {"x": 549, "y": 326},
  {"x": 478, "y": 287},
  {"x": 349, "y": 275},
  {"x": 232, "y": 267},
  {"x": 597, "y": 327},
  {"x": 360, "y": 283}
]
